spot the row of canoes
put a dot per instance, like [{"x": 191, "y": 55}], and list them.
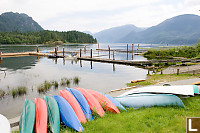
[
  {"x": 73, "y": 107},
  {"x": 157, "y": 96}
]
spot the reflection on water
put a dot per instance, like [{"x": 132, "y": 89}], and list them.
[{"x": 31, "y": 71}]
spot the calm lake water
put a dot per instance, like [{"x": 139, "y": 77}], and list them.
[{"x": 31, "y": 71}]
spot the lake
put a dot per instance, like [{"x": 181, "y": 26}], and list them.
[{"x": 32, "y": 71}]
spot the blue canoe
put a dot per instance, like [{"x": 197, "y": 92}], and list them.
[
  {"x": 82, "y": 102},
  {"x": 149, "y": 100},
  {"x": 114, "y": 101},
  {"x": 67, "y": 114}
]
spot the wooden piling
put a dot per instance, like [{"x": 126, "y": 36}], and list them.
[
  {"x": 85, "y": 48},
  {"x": 63, "y": 51},
  {"x": 113, "y": 54},
  {"x": 138, "y": 46},
  {"x": 91, "y": 54},
  {"x": 37, "y": 49},
  {"x": 148, "y": 72},
  {"x": 56, "y": 51},
  {"x": 109, "y": 52},
  {"x": 80, "y": 52},
  {"x": 98, "y": 45},
  {"x": 161, "y": 72}
]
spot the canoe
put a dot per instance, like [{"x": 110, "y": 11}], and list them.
[
  {"x": 4, "y": 124},
  {"x": 82, "y": 102},
  {"x": 41, "y": 116},
  {"x": 74, "y": 104},
  {"x": 27, "y": 118},
  {"x": 148, "y": 100},
  {"x": 53, "y": 114},
  {"x": 186, "y": 90},
  {"x": 114, "y": 101},
  {"x": 67, "y": 114},
  {"x": 92, "y": 101},
  {"x": 196, "y": 83},
  {"x": 196, "y": 89},
  {"x": 104, "y": 101},
  {"x": 139, "y": 80}
]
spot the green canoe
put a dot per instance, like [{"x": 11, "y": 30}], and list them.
[
  {"x": 27, "y": 119},
  {"x": 53, "y": 114}
]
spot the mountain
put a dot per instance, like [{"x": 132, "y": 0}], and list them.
[
  {"x": 10, "y": 21},
  {"x": 116, "y": 33},
  {"x": 182, "y": 29}
]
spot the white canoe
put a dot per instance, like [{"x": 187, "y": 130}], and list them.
[
  {"x": 186, "y": 90},
  {"x": 4, "y": 125}
]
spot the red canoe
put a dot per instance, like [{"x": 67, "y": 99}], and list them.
[
  {"x": 92, "y": 101},
  {"x": 104, "y": 101},
  {"x": 41, "y": 116},
  {"x": 74, "y": 104}
]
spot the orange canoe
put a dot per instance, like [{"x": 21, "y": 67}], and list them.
[
  {"x": 41, "y": 116},
  {"x": 74, "y": 104},
  {"x": 104, "y": 101},
  {"x": 92, "y": 101}
]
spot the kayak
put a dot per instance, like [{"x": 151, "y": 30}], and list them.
[
  {"x": 74, "y": 104},
  {"x": 41, "y": 116},
  {"x": 27, "y": 119},
  {"x": 148, "y": 100},
  {"x": 4, "y": 124},
  {"x": 104, "y": 101},
  {"x": 92, "y": 101},
  {"x": 186, "y": 90},
  {"x": 53, "y": 114},
  {"x": 82, "y": 102},
  {"x": 67, "y": 114},
  {"x": 114, "y": 101}
]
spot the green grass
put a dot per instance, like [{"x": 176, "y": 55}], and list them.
[
  {"x": 156, "y": 78},
  {"x": 155, "y": 119}
]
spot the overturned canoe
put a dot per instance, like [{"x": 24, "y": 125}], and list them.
[
  {"x": 196, "y": 89},
  {"x": 186, "y": 90},
  {"x": 53, "y": 114},
  {"x": 92, "y": 101},
  {"x": 67, "y": 114},
  {"x": 104, "y": 101},
  {"x": 27, "y": 119},
  {"x": 82, "y": 102},
  {"x": 149, "y": 100},
  {"x": 41, "y": 116},
  {"x": 4, "y": 125},
  {"x": 74, "y": 104},
  {"x": 114, "y": 101}
]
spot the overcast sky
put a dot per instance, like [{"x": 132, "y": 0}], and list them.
[{"x": 96, "y": 15}]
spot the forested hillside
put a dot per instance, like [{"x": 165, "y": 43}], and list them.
[{"x": 43, "y": 37}]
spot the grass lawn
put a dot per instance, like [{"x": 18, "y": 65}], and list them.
[
  {"x": 156, "y": 78},
  {"x": 155, "y": 119}
]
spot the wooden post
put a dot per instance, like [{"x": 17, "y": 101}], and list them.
[
  {"x": 85, "y": 48},
  {"x": 113, "y": 54},
  {"x": 108, "y": 46},
  {"x": 132, "y": 50},
  {"x": 127, "y": 51},
  {"x": 56, "y": 51},
  {"x": 98, "y": 45},
  {"x": 91, "y": 53},
  {"x": 138, "y": 46},
  {"x": 148, "y": 72},
  {"x": 177, "y": 71},
  {"x": 37, "y": 49},
  {"x": 161, "y": 72},
  {"x": 109, "y": 51},
  {"x": 80, "y": 52},
  {"x": 63, "y": 51}
]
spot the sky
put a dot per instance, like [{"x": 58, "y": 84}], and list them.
[{"x": 97, "y": 15}]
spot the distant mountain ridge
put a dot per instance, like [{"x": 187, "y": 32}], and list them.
[
  {"x": 182, "y": 29},
  {"x": 115, "y": 33},
  {"x": 10, "y": 21}
]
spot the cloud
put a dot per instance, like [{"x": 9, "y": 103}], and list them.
[{"x": 99, "y": 14}]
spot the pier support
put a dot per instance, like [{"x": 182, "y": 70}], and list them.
[
  {"x": 37, "y": 49},
  {"x": 56, "y": 51},
  {"x": 63, "y": 51},
  {"x": 177, "y": 71},
  {"x": 80, "y": 52},
  {"x": 98, "y": 45},
  {"x": 113, "y": 54},
  {"x": 109, "y": 51},
  {"x": 91, "y": 53}
]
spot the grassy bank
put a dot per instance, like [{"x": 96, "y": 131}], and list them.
[
  {"x": 157, "y": 78},
  {"x": 182, "y": 51},
  {"x": 155, "y": 119}
]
